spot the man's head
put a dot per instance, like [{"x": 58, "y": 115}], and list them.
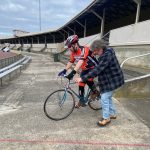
[
  {"x": 98, "y": 47},
  {"x": 72, "y": 43}
]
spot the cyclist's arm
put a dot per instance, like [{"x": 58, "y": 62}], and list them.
[
  {"x": 69, "y": 64},
  {"x": 82, "y": 59},
  {"x": 78, "y": 65}
]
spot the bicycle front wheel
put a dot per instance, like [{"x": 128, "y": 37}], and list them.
[{"x": 59, "y": 105}]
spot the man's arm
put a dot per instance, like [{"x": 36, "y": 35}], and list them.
[{"x": 103, "y": 63}]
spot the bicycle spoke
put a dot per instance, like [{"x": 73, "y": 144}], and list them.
[{"x": 59, "y": 105}]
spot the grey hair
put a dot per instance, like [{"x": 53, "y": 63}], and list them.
[{"x": 98, "y": 44}]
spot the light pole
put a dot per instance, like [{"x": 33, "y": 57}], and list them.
[{"x": 40, "y": 14}]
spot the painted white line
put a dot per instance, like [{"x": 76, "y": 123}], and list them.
[{"x": 115, "y": 100}]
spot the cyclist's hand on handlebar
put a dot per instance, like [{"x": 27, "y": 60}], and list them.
[
  {"x": 77, "y": 80},
  {"x": 62, "y": 73}
]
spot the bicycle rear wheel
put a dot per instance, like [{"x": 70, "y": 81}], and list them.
[
  {"x": 95, "y": 104},
  {"x": 59, "y": 105}
]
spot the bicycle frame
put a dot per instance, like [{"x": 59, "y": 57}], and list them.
[{"x": 68, "y": 88}]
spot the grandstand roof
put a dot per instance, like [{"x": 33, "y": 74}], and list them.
[{"x": 117, "y": 13}]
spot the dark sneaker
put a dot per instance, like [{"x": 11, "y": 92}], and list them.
[{"x": 94, "y": 95}]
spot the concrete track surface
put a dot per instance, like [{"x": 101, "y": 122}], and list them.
[{"x": 24, "y": 125}]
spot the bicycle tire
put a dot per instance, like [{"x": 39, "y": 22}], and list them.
[
  {"x": 49, "y": 99},
  {"x": 95, "y": 104}
]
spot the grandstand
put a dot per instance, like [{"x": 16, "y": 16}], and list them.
[
  {"x": 100, "y": 17},
  {"x": 124, "y": 24},
  {"x": 120, "y": 22}
]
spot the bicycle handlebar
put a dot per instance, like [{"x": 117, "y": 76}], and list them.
[{"x": 65, "y": 76}]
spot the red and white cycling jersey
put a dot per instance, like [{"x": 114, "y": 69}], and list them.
[{"x": 84, "y": 53}]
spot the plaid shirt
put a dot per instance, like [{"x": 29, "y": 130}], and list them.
[{"x": 110, "y": 75}]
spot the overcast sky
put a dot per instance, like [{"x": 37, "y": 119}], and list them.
[{"x": 24, "y": 14}]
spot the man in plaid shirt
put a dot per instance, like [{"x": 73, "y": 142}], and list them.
[{"x": 110, "y": 77}]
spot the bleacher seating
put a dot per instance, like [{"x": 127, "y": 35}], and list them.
[
  {"x": 4, "y": 55},
  {"x": 13, "y": 67}
]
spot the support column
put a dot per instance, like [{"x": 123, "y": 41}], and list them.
[
  {"x": 54, "y": 41},
  {"x": 66, "y": 32},
  {"x": 85, "y": 29},
  {"x": 20, "y": 49},
  {"x": 102, "y": 24},
  {"x": 45, "y": 40},
  {"x": 138, "y": 2},
  {"x": 71, "y": 29},
  {"x": 62, "y": 35},
  {"x": 74, "y": 29},
  {"x": 53, "y": 38},
  {"x": 32, "y": 42},
  {"x": 84, "y": 26},
  {"x": 38, "y": 39},
  {"x": 102, "y": 21}
]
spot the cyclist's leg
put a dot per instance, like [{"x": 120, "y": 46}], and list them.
[
  {"x": 82, "y": 101},
  {"x": 81, "y": 92},
  {"x": 95, "y": 92},
  {"x": 90, "y": 81},
  {"x": 91, "y": 84}
]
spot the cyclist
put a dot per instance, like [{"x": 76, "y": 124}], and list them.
[{"x": 86, "y": 61}]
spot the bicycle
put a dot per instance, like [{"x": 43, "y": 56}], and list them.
[{"x": 61, "y": 103}]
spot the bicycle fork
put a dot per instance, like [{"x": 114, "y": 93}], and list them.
[{"x": 61, "y": 102}]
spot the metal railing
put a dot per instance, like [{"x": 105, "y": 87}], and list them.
[
  {"x": 133, "y": 58},
  {"x": 139, "y": 77},
  {"x": 7, "y": 61}
]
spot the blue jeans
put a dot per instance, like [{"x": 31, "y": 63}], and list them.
[{"x": 107, "y": 105}]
